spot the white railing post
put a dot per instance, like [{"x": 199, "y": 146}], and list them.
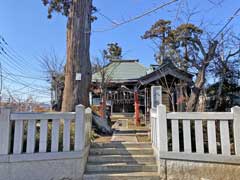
[
  {"x": 236, "y": 128},
  {"x": 4, "y": 130},
  {"x": 151, "y": 121},
  {"x": 88, "y": 125},
  {"x": 79, "y": 128},
  {"x": 162, "y": 126},
  {"x": 157, "y": 127}
]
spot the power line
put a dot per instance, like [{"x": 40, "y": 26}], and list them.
[
  {"x": 36, "y": 90},
  {"x": 21, "y": 62},
  {"x": 115, "y": 24},
  {"x": 10, "y": 62},
  {"x": 107, "y": 18},
  {"x": 6, "y": 55},
  {"x": 12, "y": 78},
  {"x": 7, "y": 60},
  {"x": 28, "y": 77},
  {"x": 15, "y": 59},
  {"x": 228, "y": 22}
]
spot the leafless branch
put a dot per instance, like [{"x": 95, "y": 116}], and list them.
[
  {"x": 200, "y": 45},
  {"x": 218, "y": 3},
  {"x": 232, "y": 54},
  {"x": 178, "y": 9}
]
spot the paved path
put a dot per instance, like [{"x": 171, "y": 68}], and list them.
[
  {"x": 123, "y": 137},
  {"x": 126, "y": 133}
]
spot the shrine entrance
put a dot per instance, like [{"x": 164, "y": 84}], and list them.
[{"x": 121, "y": 99}]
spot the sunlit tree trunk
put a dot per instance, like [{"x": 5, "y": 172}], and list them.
[
  {"x": 78, "y": 61},
  {"x": 194, "y": 98},
  {"x": 200, "y": 79}
]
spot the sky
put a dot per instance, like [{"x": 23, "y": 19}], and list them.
[{"x": 30, "y": 35}]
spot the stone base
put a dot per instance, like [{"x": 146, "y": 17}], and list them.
[
  {"x": 179, "y": 170},
  {"x": 51, "y": 167}
]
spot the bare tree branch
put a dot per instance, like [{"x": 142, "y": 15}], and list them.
[
  {"x": 218, "y": 3},
  {"x": 232, "y": 54},
  {"x": 200, "y": 45}
]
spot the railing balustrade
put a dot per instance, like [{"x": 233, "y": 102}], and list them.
[
  {"x": 198, "y": 136},
  {"x": 29, "y": 132}
]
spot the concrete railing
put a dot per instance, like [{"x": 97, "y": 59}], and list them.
[
  {"x": 196, "y": 136},
  {"x": 27, "y": 138}
]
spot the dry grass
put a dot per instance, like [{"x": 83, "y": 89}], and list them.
[
  {"x": 143, "y": 138},
  {"x": 103, "y": 139}
]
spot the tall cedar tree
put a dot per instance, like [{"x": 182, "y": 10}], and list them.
[
  {"x": 79, "y": 17},
  {"x": 185, "y": 47}
]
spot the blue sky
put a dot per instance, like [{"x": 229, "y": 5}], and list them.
[{"x": 27, "y": 30}]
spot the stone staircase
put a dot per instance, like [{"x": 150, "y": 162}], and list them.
[{"x": 121, "y": 160}]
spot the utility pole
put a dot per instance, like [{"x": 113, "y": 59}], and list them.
[
  {"x": 1, "y": 86},
  {"x": 51, "y": 88}
]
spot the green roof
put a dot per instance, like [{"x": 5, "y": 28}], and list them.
[{"x": 122, "y": 70}]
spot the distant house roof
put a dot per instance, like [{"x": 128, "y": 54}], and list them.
[
  {"x": 168, "y": 68},
  {"x": 122, "y": 71}
]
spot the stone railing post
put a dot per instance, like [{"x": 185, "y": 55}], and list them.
[
  {"x": 158, "y": 127},
  {"x": 4, "y": 130},
  {"x": 151, "y": 121},
  {"x": 162, "y": 126},
  {"x": 236, "y": 128},
  {"x": 88, "y": 125},
  {"x": 79, "y": 128}
]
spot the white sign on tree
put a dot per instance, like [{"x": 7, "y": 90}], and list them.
[{"x": 78, "y": 76}]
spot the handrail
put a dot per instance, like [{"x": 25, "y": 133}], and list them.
[
  {"x": 39, "y": 116},
  {"x": 200, "y": 115},
  {"x": 185, "y": 134}
]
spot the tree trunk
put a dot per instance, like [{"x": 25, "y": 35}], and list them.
[
  {"x": 104, "y": 103},
  {"x": 201, "y": 106},
  {"x": 193, "y": 100},
  {"x": 200, "y": 79},
  {"x": 219, "y": 93},
  {"x": 78, "y": 61}
]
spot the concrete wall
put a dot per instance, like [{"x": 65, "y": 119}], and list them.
[
  {"x": 43, "y": 166},
  {"x": 179, "y": 170},
  {"x": 171, "y": 169}
]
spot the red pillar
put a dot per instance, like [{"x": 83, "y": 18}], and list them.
[
  {"x": 136, "y": 107},
  {"x": 102, "y": 108}
]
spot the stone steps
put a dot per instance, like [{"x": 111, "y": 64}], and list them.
[
  {"x": 116, "y": 167},
  {"x": 121, "y": 151},
  {"x": 121, "y": 145},
  {"x": 123, "y": 176},
  {"x": 121, "y": 160}
]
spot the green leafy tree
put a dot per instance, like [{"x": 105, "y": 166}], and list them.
[
  {"x": 186, "y": 49},
  {"x": 114, "y": 51},
  {"x": 159, "y": 33}
]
